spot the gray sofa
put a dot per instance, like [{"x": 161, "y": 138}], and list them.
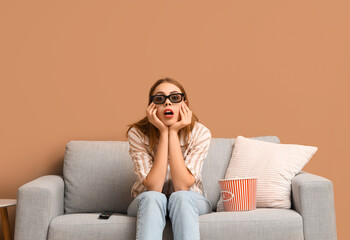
[{"x": 98, "y": 175}]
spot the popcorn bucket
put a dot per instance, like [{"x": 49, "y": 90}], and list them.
[{"x": 238, "y": 194}]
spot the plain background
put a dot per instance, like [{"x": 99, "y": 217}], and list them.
[{"x": 81, "y": 70}]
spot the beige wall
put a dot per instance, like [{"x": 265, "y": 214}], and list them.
[{"x": 81, "y": 70}]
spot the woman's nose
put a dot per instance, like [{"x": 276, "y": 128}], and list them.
[{"x": 167, "y": 102}]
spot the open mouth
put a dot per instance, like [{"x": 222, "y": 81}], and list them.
[{"x": 168, "y": 113}]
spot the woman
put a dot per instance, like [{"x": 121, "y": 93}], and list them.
[{"x": 168, "y": 147}]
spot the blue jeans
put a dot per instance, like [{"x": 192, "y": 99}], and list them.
[{"x": 183, "y": 207}]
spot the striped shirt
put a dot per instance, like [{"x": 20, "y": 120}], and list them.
[{"x": 194, "y": 155}]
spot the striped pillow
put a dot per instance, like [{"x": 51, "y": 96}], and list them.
[{"x": 274, "y": 165}]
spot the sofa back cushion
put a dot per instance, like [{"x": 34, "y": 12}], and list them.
[{"x": 98, "y": 175}]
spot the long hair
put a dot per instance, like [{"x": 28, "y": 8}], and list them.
[{"x": 150, "y": 130}]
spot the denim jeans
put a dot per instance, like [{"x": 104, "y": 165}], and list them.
[{"x": 182, "y": 207}]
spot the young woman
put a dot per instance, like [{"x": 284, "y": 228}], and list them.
[{"x": 167, "y": 148}]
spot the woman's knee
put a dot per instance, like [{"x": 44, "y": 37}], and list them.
[
  {"x": 153, "y": 196},
  {"x": 181, "y": 201},
  {"x": 147, "y": 199},
  {"x": 180, "y": 196}
]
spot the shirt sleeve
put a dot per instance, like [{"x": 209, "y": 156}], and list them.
[
  {"x": 141, "y": 158},
  {"x": 196, "y": 155}
]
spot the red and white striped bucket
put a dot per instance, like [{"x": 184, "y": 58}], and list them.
[{"x": 238, "y": 194}]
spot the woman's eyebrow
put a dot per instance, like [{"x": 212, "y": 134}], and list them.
[{"x": 163, "y": 92}]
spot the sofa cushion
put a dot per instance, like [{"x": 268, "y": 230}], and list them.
[
  {"x": 98, "y": 175},
  {"x": 261, "y": 223},
  {"x": 88, "y": 226},
  {"x": 273, "y": 164}
]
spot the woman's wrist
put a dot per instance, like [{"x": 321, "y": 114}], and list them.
[
  {"x": 165, "y": 131},
  {"x": 172, "y": 131}
]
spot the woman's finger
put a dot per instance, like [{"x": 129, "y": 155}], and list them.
[
  {"x": 183, "y": 114},
  {"x": 150, "y": 112},
  {"x": 184, "y": 107},
  {"x": 149, "y": 107}
]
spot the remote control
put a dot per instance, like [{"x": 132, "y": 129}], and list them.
[{"x": 105, "y": 214}]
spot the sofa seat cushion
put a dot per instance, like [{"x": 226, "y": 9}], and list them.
[
  {"x": 262, "y": 223},
  {"x": 88, "y": 226}
]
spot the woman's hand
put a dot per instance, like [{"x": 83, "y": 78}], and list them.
[
  {"x": 152, "y": 118},
  {"x": 186, "y": 117}
]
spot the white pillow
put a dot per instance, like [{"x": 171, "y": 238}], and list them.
[{"x": 274, "y": 165}]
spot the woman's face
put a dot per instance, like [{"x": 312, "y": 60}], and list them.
[{"x": 167, "y": 89}]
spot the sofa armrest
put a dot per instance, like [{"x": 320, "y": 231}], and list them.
[
  {"x": 38, "y": 202},
  {"x": 313, "y": 199}
]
